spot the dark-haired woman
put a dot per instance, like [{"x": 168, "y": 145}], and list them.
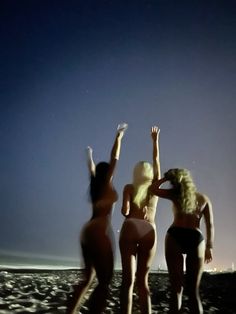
[
  {"x": 97, "y": 235},
  {"x": 185, "y": 237}
]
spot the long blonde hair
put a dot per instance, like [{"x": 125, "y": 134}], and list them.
[
  {"x": 182, "y": 181},
  {"x": 142, "y": 179}
]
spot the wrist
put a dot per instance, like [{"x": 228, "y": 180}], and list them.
[
  {"x": 209, "y": 246},
  {"x": 119, "y": 137}
]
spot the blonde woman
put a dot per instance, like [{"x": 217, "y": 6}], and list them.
[
  {"x": 185, "y": 237},
  {"x": 97, "y": 235},
  {"x": 138, "y": 233}
]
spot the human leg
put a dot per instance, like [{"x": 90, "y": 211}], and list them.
[
  {"x": 80, "y": 290},
  {"x": 128, "y": 250},
  {"x": 174, "y": 260},
  {"x": 146, "y": 252},
  {"x": 194, "y": 270},
  {"x": 103, "y": 260}
]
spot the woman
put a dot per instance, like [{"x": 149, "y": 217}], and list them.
[
  {"x": 138, "y": 233},
  {"x": 97, "y": 235},
  {"x": 185, "y": 237}
]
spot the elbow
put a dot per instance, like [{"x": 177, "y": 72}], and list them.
[
  {"x": 153, "y": 190},
  {"x": 125, "y": 212},
  {"x": 211, "y": 226},
  {"x": 211, "y": 231}
]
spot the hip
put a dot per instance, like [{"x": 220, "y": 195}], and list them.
[{"x": 137, "y": 228}]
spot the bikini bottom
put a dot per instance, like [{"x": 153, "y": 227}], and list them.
[{"x": 187, "y": 238}]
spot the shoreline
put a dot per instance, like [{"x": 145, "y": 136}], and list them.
[{"x": 48, "y": 268}]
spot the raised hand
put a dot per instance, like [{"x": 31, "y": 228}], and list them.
[
  {"x": 122, "y": 127},
  {"x": 91, "y": 164},
  {"x": 155, "y": 133},
  {"x": 89, "y": 151},
  {"x": 155, "y": 155}
]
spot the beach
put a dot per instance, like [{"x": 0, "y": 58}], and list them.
[{"x": 46, "y": 291}]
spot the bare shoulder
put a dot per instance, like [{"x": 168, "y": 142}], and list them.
[{"x": 203, "y": 199}]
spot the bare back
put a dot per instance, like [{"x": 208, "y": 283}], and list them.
[
  {"x": 148, "y": 209},
  {"x": 103, "y": 206},
  {"x": 189, "y": 220}
]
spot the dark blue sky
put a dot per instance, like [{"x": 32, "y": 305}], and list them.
[{"x": 72, "y": 70}]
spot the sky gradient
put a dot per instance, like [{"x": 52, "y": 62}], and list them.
[{"x": 71, "y": 71}]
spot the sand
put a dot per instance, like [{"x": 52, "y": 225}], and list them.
[{"x": 46, "y": 292}]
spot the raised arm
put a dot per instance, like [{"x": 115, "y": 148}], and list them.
[
  {"x": 115, "y": 152},
  {"x": 126, "y": 201},
  {"x": 210, "y": 232},
  {"x": 156, "y": 158},
  {"x": 164, "y": 193},
  {"x": 90, "y": 162}
]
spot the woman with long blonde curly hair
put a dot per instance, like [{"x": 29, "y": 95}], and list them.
[
  {"x": 138, "y": 233},
  {"x": 182, "y": 181},
  {"x": 185, "y": 237}
]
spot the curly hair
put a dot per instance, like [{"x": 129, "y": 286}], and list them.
[
  {"x": 182, "y": 181},
  {"x": 142, "y": 179}
]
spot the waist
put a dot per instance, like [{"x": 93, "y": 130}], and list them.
[
  {"x": 174, "y": 228},
  {"x": 101, "y": 216},
  {"x": 148, "y": 215},
  {"x": 139, "y": 221},
  {"x": 186, "y": 222},
  {"x": 102, "y": 211}
]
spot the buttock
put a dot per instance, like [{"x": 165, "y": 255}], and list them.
[
  {"x": 96, "y": 230},
  {"x": 135, "y": 229},
  {"x": 187, "y": 238}
]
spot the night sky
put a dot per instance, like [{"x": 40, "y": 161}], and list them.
[{"x": 70, "y": 71}]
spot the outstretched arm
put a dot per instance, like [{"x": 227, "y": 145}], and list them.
[
  {"x": 91, "y": 164},
  {"x": 208, "y": 216},
  {"x": 126, "y": 201},
  {"x": 115, "y": 152},
  {"x": 156, "y": 158}
]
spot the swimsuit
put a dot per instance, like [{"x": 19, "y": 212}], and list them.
[
  {"x": 187, "y": 238},
  {"x": 135, "y": 229}
]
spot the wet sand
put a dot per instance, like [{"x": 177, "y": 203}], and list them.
[{"x": 43, "y": 291}]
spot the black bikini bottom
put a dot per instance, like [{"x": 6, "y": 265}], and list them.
[{"x": 188, "y": 239}]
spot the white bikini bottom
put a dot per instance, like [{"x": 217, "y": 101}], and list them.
[{"x": 136, "y": 229}]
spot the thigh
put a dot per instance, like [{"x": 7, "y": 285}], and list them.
[
  {"x": 97, "y": 244},
  {"x": 146, "y": 252},
  {"x": 128, "y": 250},
  {"x": 103, "y": 258},
  {"x": 88, "y": 262},
  {"x": 195, "y": 265},
  {"x": 175, "y": 261}
]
